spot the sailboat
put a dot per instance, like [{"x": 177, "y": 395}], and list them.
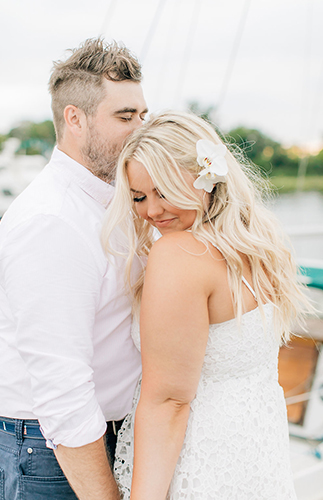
[
  {"x": 301, "y": 376},
  {"x": 16, "y": 172}
]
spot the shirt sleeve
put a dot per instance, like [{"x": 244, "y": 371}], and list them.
[{"x": 53, "y": 286}]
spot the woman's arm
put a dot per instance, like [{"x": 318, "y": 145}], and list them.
[{"x": 174, "y": 330}]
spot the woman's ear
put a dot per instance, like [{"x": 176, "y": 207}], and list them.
[{"x": 75, "y": 120}]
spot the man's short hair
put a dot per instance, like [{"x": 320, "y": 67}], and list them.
[{"x": 79, "y": 79}]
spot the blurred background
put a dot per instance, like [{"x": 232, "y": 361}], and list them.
[{"x": 254, "y": 68}]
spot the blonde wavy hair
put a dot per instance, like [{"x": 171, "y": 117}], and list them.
[{"x": 236, "y": 220}]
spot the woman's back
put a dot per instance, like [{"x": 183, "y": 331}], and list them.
[
  {"x": 241, "y": 350},
  {"x": 236, "y": 444},
  {"x": 207, "y": 265}
]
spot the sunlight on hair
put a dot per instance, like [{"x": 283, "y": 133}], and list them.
[{"x": 236, "y": 220}]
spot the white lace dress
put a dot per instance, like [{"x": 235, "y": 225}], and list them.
[{"x": 236, "y": 445}]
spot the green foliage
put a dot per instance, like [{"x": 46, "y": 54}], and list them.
[
  {"x": 315, "y": 164},
  {"x": 36, "y": 138},
  {"x": 279, "y": 163},
  {"x": 263, "y": 151},
  {"x": 286, "y": 184},
  {"x": 3, "y": 138},
  {"x": 269, "y": 155}
]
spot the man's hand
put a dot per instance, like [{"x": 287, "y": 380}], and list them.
[{"x": 88, "y": 471}]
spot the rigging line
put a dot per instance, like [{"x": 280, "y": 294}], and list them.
[
  {"x": 187, "y": 51},
  {"x": 167, "y": 50},
  {"x": 151, "y": 31},
  {"x": 108, "y": 17},
  {"x": 305, "y": 95},
  {"x": 305, "y": 396},
  {"x": 234, "y": 53},
  {"x": 316, "y": 105},
  {"x": 305, "y": 125}
]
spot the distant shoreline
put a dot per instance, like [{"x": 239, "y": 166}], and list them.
[{"x": 288, "y": 184}]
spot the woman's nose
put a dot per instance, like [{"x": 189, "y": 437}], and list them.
[{"x": 155, "y": 208}]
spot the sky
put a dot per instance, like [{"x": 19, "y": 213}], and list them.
[{"x": 258, "y": 63}]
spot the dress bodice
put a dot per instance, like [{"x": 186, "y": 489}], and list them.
[
  {"x": 235, "y": 350},
  {"x": 236, "y": 443}
]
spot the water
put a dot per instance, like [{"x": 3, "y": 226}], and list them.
[{"x": 301, "y": 215}]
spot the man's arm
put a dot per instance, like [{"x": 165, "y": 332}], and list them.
[
  {"x": 53, "y": 286},
  {"x": 88, "y": 471}
]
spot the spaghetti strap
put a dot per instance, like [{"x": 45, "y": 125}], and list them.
[
  {"x": 243, "y": 278},
  {"x": 249, "y": 287}
]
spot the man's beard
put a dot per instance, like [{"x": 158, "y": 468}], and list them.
[{"x": 98, "y": 157}]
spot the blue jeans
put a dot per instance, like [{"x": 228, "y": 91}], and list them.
[{"x": 28, "y": 469}]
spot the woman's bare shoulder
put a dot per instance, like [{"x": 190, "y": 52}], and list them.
[
  {"x": 179, "y": 242},
  {"x": 184, "y": 243},
  {"x": 182, "y": 252}
]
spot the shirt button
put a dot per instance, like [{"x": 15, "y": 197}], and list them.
[{"x": 29, "y": 450}]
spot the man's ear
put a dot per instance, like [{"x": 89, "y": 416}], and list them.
[{"x": 75, "y": 120}]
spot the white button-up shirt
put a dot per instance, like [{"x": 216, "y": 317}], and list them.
[{"x": 67, "y": 357}]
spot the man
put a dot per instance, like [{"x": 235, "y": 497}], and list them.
[{"x": 67, "y": 359}]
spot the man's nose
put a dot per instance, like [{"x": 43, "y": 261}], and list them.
[{"x": 136, "y": 123}]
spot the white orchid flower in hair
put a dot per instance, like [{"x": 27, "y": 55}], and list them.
[{"x": 212, "y": 157}]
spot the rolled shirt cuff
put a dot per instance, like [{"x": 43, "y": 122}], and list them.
[{"x": 89, "y": 431}]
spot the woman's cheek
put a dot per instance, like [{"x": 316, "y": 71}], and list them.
[{"x": 141, "y": 211}]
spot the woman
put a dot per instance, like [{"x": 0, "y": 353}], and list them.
[{"x": 218, "y": 298}]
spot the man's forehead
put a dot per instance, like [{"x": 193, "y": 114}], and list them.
[
  {"x": 122, "y": 87},
  {"x": 125, "y": 96}
]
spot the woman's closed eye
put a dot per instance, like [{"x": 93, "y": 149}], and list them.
[{"x": 138, "y": 199}]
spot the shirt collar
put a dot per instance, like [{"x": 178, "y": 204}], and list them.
[{"x": 99, "y": 190}]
